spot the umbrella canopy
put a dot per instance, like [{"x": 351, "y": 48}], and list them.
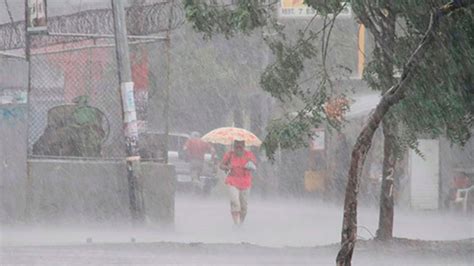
[{"x": 227, "y": 135}]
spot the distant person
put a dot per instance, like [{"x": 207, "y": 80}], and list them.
[
  {"x": 239, "y": 164},
  {"x": 196, "y": 149}
]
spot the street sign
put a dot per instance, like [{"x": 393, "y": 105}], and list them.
[
  {"x": 36, "y": 17},
  {"x": 297, "y": 9}
]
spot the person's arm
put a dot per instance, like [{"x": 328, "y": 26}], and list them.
[
  {"x": 251, "y": 162},
  {"x": 252, "y": 157}
]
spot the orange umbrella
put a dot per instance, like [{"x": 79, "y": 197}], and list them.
[{"x": 227, "y": 135}]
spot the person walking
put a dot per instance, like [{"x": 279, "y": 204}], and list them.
[{"x": 238, "y": 164}]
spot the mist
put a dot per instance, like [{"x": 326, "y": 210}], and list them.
[{"x": 97, "y": 169}]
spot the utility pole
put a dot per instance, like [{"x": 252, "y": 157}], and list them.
[
  {"x": 128, "y": 112},
  {"x": 29, "y": 181},
  {"x": 166, "y": 109}
]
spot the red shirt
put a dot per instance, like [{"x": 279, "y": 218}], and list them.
[
  {"x": 197, "y": 148},
  {"x": 239, "y": 176}
]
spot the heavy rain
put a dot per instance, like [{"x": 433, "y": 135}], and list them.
[{"x": 236, "y": 132}]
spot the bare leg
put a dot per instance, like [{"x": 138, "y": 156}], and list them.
[
  {"x": 236, "y": 217},
  {"x": 243, "y": 198},
  {"x": 235, "y": 208}
]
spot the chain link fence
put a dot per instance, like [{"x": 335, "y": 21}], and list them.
[
  {"x": 75, "y": 104},
  {"x": 142, "y": 19},
  {"x": 13, "y": 78}
]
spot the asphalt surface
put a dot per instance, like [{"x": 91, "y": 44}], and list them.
[{"x": 277, "y": 232}]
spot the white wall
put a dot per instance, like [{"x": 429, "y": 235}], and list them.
[{"x": 424, "y": 175}]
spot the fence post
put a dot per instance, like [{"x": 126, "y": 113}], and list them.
[
  {"x": 29, "y": 181},
  {"x": 128, "y": 111}
]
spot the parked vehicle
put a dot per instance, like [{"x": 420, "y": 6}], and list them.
[{"x": 152, "y": 148}]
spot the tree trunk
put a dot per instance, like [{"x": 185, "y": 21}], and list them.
[
  {"x": 359, "y": 154},
  {"x": 385, "y": 230},
  {"x": 389, "y": 124}
]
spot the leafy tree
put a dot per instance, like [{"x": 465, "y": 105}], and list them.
[
  {"x": 443, "y": 99},
  {"x": 212, "y": 17},
  {"x": 440, "y": 101},
  {"x": 414, "y": 64}
]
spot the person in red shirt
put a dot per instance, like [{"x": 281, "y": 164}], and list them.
[
  {"x": 239, "y": 164},
  {"x": 196, "y": 149}
]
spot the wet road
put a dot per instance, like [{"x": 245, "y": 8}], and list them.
[{"x": 277, "y": 232}]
